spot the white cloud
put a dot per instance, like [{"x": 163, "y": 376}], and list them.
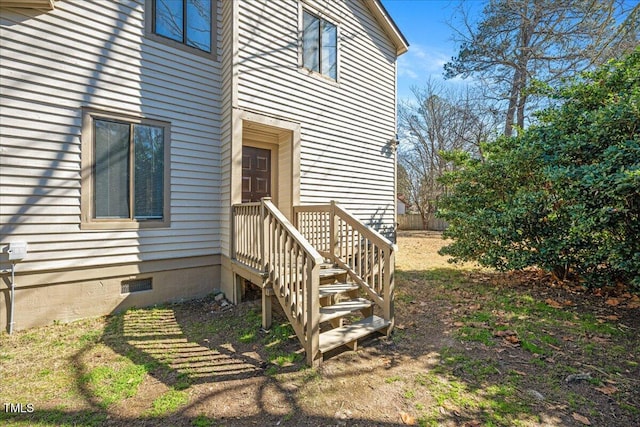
[
  {"x": 421, "y": 61},
  {"x": 418, "y": 65},
  {"x": 405, "y": 71}
]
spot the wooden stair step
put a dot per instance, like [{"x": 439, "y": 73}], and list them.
[
  {"x": 349, "y": 333},
  {"x": 324, "y": 266},
  {"x": 326, "y": 274},
  {"x": 331, "y": 271},
  {"x": 337, "y": 288},
  {"x": 343, "y": 308}
]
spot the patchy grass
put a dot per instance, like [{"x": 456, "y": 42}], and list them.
[
  {"x": 169, "y": 402},
  {"x": 393, "y": 379},
  {"x": 114, "y": 383},
  {"x": 202, "y": 421},
  {"x": 470, "y": 333},
  {"x": 472, "y": 347}
]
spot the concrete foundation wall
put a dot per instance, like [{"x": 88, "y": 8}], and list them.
[{"x": 80, "y": 294}]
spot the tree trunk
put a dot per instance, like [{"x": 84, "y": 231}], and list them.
[
  {"x": 517, "y": 98},
  {"x": 513, "y": 103},
  {"x": 522, "y": 101}
]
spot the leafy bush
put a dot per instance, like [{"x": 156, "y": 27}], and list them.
[{"x": 565, "y": 194}]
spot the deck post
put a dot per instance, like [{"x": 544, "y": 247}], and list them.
[
  {"x": 264, "y": 234},
  {"x": 267, "y": 299},
  {"x": 233, "y": 233},
  {"x": 267, "y": 292},
  {"x": 294, "y": 217},
  {"x": 388, "y": 286},
  {"x": 312, "y": 306}
]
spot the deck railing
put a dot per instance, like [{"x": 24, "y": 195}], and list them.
[
  {"x": 368, "y": 256},
  {"x": 265, "y": 240},
  {"x": 247, "y": 233}
]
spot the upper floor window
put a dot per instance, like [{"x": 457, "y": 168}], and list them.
[
  {"x": 188, "y": 22},
  {"x": 127, "y": 171},
  {"x": 319, "y": 45}
]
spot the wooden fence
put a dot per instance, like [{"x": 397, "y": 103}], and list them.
[{"x": 414, "y": 222}]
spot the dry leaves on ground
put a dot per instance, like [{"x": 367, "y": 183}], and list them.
[
  {"x": 581, "y": 419},
  {"x": 607, "y": 389},
  {"x": 407, "y": 419}
]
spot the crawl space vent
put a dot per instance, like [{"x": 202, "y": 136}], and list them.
[{"x": 138, "y": 285}]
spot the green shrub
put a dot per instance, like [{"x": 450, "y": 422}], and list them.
[{"x": 565, "y": 194}]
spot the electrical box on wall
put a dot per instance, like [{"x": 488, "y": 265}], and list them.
[{"x": 17, "y": 251}]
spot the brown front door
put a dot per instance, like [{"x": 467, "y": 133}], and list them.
[{"x": 256, "y": 174}]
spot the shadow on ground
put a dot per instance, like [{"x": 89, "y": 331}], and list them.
[{"x": 427, "y": 372}]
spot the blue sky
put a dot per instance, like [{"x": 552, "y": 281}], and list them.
[{"x": 424, "y": 24}]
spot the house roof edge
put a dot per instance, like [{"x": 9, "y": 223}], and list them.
[{"x": 388, "y": 24}]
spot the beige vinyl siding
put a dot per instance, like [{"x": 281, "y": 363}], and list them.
[
  {"x": 346, "y": 124},
  {"x": 95, "y": 54}
]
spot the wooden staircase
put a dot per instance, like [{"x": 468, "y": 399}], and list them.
[
  {"x": 330, "y": 274},
  {"x": 340, "y": 303}
]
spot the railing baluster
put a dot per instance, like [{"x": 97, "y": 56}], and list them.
[
  {"x": 352, "y": 245},
  {"x": 359, "y": 256},
  {"x": 279, "y": 259},
  {"x": 314, "y": 229},
  {"x": 380, "y": 270},
  {"x": 246, "y": 248},
  {"x": 296, "y": 281},
  {"x": 366, "y": 260},
  {"x": 373, "y": 262},
  {"x": 252, "y": 232},
  {"x": 289, "y": 262},
  {"x": 303, "y": 303}
]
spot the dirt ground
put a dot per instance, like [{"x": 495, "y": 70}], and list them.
[{"x": 471, "y": 348}]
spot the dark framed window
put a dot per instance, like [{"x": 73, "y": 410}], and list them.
[
  {"x": 319, "y": 45},
  {"x": 125, "y": 171},
  {"x": 188, "y": 22}
]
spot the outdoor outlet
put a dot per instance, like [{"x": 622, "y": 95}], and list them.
[{"x": 17, "y": 251}]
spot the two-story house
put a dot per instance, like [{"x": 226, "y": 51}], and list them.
[{"x": 139, "y": 138}]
